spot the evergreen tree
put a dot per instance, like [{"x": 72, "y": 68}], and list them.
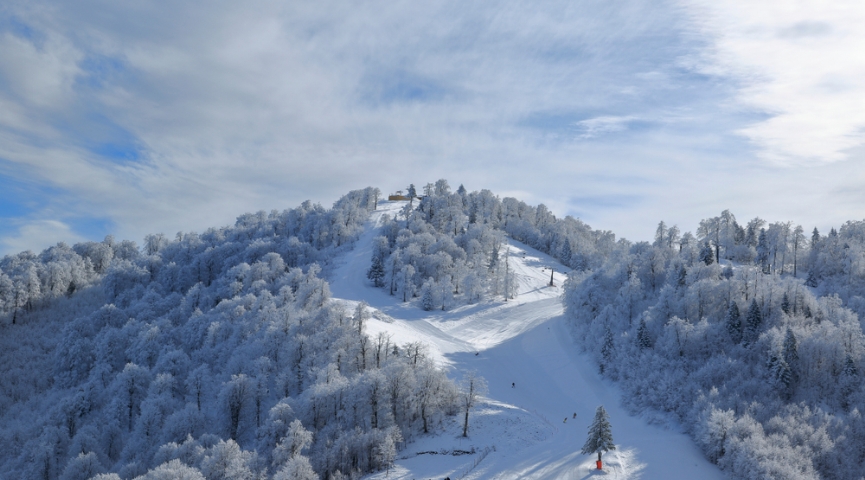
[
  {"x": 600, "y": 434},
  {"x": 643, "y": 339},
  {"x": 683, "y": 276},
  {"x": 811, "y": 280},
  {"x": 849, "y": 381},
  {"x": 780, "y": 374},
  {"x": 426, "y": 296},
  {"x": 785, "y": 303},
  {"x": 791, "y": 347},
  {"x": 762, "y": 257},
  {"x": 566, "y": 253},
  {"x": 607, "y": 349},
  {"x": 376, "y": 272},
  {"x": 815, "y": 239},
  {"x": 707, "y": 256},
  {"x": 734, "y": 323},
  {"x": 753, "y": 322}
]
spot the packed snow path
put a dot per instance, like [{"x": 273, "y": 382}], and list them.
[{"x": 537, "y": 380}]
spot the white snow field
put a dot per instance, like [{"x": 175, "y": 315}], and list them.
[{"x": 526, "y": 430}]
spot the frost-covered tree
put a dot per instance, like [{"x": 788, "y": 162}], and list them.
[
  {"x": 376, "y": 272},
  {"x": 643, "y": 339},
  {"x": 780, "y": 373},
  {"x": 849, "y": 381},
  {"x": 292, "y": 445},
  {"x": 600, "y": 437},
  {"x": 707, "y": 256},
  {"x": 82, "y": 467},
  {"x": 472, "y": 387},
  {"x": 753, "y": 322},
  {"x": 733, "y": 323},
  {"x": 763, "y": 251}
]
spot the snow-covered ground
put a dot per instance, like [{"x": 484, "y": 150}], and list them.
[{"x": 526, "y": 430}]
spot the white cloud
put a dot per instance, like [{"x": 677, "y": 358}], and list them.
[
  {"x": 38, "y": 235},
  {"x": 40, "y": 75},
  {"x": 799, "y": 63},
  {"x": 597, "y": 126}
]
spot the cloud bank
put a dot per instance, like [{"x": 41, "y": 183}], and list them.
[{"x": 142, "y": 118}]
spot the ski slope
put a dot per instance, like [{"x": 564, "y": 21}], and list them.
[{"x": 526, "y": 430}]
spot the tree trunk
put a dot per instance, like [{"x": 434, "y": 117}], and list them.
[{"x": 466, "y": 424}]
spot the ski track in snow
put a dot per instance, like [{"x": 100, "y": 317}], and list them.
[{"x": 526, "y": 431}]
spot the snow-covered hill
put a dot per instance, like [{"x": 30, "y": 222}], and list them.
[{"x": 538, "y": 380}]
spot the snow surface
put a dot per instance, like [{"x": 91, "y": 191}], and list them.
[{"x": 526, "y": 431}]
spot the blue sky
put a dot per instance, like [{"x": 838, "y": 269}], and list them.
[{"x": 129, "y": 118}]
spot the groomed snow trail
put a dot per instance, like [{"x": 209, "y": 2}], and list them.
[{"x": 526, "y": 430}]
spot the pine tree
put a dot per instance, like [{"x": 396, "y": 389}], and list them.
[
  {"x": 780, "y": 374},
  {"x": 607, "y": 349},
  {"x": 785, "y": 303},
  {"x": 600, "y": 434},
  {"x": 683, "y": 276},
  {"x": 376, "y": 272},
  {"x": 762, "y": 257},
  {"x": 643, "y": 339},
  {"x": 811, "y": 280},
  {"x": 791, "y": 347},
  {"x": 790, "y": 352},
  {"x": 753, "y": 322},
  {"x": 566, "y": 253},
  {"x": 849, "y": 381},
  {"x": 734, "y": 323},
  {"x": 707, "y": 256},
  {"x": 426, "y": 296}
]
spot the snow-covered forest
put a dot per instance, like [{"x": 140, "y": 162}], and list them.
[
  {"x": 450, "y": 248},
  {"x": 760, "y": 355},
  {"x": 222, "y": 355},
  {"x": 215, "y": 354}
]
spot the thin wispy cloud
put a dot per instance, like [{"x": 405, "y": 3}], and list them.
[
  {"x": 800, "y": 63},
  {"x": 597, "y": 126}
]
